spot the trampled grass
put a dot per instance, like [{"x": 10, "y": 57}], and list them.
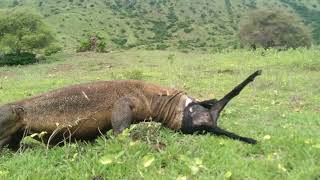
[{"x": 281, "y": 109}]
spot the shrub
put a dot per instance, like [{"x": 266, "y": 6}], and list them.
[
  {"x": 182, "y": 44},
  {"x": 120, "y": 41},
  {"x": 276, "y": 28},
  {"x": 184, "y": 24},
  {"x": 172, "y": 17},
  {"x": 161, "y": 46},
  {"x": 52, "y": 49},
  {"x": 101, "y": 46},
  {"x": 18, "y": 59},
  {"x": 160, "y": 30},
  {"x": 92, "y": 42},
  {"x": 84, "y": 46},
  {"x": 188, "y": 30}
]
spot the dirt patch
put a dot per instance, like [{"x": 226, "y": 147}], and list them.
[
  {"x": 105, "y": 65},
  {"x": 265, "y": 84},
  {"x": 226, "y": 71},
  {"x": 159, "y": 146},
  {"x": 7, "y": 74},
  {"x": 314, "y": 68},
  {"x": 222, "y": 71},
  {"x": 296, "y": 99},
  {"x": 61, "y": 68},
  {"x": 85, "y": 54},
  {"x": 297, "y": 103},
  {"x": 97, "y": 178}
]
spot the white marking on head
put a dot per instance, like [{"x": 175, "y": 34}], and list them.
[
  {"x": 188, "y": 101},
  {"x": 191, "y": 110}
]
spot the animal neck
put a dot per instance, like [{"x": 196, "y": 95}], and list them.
[{"x": 169, "y": 109}]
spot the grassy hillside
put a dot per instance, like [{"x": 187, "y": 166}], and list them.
[
  {"x": 280, "y": 109},
  {"x": 158, "y": 24}
]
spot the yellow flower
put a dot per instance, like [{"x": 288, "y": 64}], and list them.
[
  {"x": 307, "y": 141},
  {"x": 267, "y": 137},
  {"x": 133, "y": 143},
  {"x": 194, "y": 169},
  {"x": 106, "y": 160},
  {"x": 182, "y": 178},
  {"x": 282, "y": 168},
  {"x": 147, "y": 160},
  {"x": 228, "y": 174}
]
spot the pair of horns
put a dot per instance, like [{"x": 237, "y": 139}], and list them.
[{"x": 216, "y": 106}]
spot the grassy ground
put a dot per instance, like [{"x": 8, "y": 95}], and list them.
[{"x": 281, "y": 109}]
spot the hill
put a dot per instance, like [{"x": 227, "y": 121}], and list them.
[{"x": 158, "y": 24}]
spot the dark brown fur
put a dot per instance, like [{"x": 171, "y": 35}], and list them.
[{"x": 84, "y": 111}]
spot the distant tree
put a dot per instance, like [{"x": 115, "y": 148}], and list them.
[
  {"x": 274, "y": 28},
  {"x": 172, "y": 17},
  {"x": 15, "y": 3},
  {"x": 160, "y": 30},
  {"x": 22, "y": 31}
]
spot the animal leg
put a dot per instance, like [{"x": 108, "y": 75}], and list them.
[
  {"x": 10, "y": 126},
  {"x": 121, "y": 115},
  {"x": 221, "y": 132}
]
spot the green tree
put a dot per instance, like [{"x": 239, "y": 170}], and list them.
[
  {"x": 274, "y": 28},
  {"x": 22, "y": 31}
]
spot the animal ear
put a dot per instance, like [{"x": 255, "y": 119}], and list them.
[
  {"x": 208, "y": 103},
  {"x": 18, "y": 110}
]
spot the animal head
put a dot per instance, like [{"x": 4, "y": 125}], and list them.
[
  {"x": 203, "y": 116},
  {"x": 199, "y": 117},
  {"x": 10, "y": 117}
]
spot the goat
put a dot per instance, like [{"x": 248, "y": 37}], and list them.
[{"x": 85, "y": 111}]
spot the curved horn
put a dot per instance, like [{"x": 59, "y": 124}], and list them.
[
  {"x": 208, "y": 103},
  {"x": 221, "y": 132},
  {"x": 216, "y": 106}
]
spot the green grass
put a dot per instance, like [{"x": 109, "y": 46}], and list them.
[{"x": 283, "y": 103}]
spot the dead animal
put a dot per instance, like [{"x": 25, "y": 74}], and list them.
[{"x": 85, "y": 111}]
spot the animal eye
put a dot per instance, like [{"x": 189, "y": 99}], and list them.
[{"x": 191, "y": 109}]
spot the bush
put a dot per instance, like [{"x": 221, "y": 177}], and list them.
[
  {"x": 188, "y": 30},
  {"x": 185, "y": 24},
  {"x": 182, "y": 44},
  {"x": 160, "y": 30},
  {"x": 276, "y": 29},
  {"x": 52, "y": 49},
  {"x": 101, "y": 47},
  {"x": 13, "y": 59},
  {"x": 92, "y": 42},
  {"x": 84, "y": 46},
  {"x": 161, "y": 46},
  {"x": 120, "y": 41},
  {"x": 172, "y": 17}
]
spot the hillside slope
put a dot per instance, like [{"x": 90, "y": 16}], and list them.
[{"x": 183, "y": 24}]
